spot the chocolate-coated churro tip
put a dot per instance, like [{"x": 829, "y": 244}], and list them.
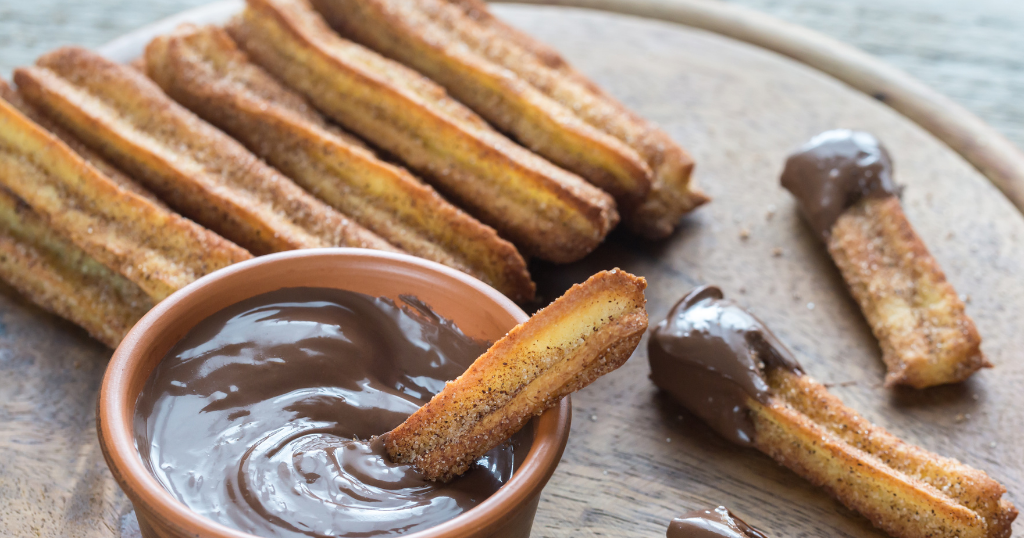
[
  {"x": 833, "y": 171},
  {"x": 710, "y": 355}
]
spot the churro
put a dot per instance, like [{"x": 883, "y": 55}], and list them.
[
  {"x": 586, "y": 333},
  {"x": 9, "y": 94},
  {"x": 59, "y": 277},
  {"x": 843, "y": 181},
  {"x": 546, "y": 211}
]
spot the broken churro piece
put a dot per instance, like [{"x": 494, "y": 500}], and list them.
[
  {"x": 546, "y": 211},
  {"x": 843, "y": 181},
  {"x": 725, "y": 366},
  {"x": 195, "y": 168},
  {"x": 61, "y": 278},
  {"x": 158, "y": 250},
  {"x": 586, "y": 333},
  {"x": 204, "y": 70},
  {"x": 527, "y": 89}
]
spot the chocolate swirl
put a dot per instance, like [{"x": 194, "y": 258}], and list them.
[{"x": 262, "y": 417}]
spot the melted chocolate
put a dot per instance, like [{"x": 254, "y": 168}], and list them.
[
  {"x": 262, "y": 418},
  {"x": 835, "y": 170},
  {"x": 717, "y": 523},
  {"x": 710, "y": 355}
]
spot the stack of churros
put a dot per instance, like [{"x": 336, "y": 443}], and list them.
[
  {"x": 203, "y": 69},
  {"x": 544, "y": 210},
  {"x": 85, "y": 247},
  {"x": 264, "y": 135},
  {"x": 527, "y": 89}
]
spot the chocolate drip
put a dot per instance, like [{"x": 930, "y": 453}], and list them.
[
  {"x": 834, "y": 171},
  {"x": 710, "y": 355},
  {"x": 717, "y": 523},
  {"x": 262, "y": 417}
]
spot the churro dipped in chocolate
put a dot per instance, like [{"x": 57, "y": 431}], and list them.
[
  {"x": 586, "y": 333},
  {"x": 158, "y": 250},
  {"x": 725, "y": 366},
  {"x": 843, "y": 181},
  {"x": 544, "y": 210},
  {"x": 195, "y": 168},
  {"x": 204, "y": 70},
  {"x": 58, "y": 276},
  {"x": 527, "y": 89}
]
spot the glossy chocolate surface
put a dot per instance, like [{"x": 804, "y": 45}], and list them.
[
  {"x": 717, "y": 523},
  {"x": 835, "y": 170},
  {"x": 710, "y": 354},
  {"x": 263, "y": 417}
]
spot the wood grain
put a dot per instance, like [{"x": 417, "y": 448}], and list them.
[{"x": 635, "y": 460}]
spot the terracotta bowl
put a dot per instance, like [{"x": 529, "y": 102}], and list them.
[{"x": 479, "y": 310}]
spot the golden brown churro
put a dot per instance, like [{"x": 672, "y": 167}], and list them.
[
  {"x": 11, "y": 96},
  {"x": 195, "y": 168},
  {"x": 526, "y": 88},
  {"x": 905, "y": 490},
  {"x": 926, "y": 336},
  {"x": 586, "y": 333},
  {"x": 156, "y": 249},
  {"x": 204, "y": 70},
  {"x": 726, "y": 367},
  {"x": 843, "y": 180},
  {"x": 545, "y": 210},
  {"x": 409, "y": 33},
  {"x": 59, "y": 277}
]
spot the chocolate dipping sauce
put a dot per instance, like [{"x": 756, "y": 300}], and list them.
[
  {"x": 261, "y": 418},
  {"x": 834, "y": 171},
  {"x": 717, "y": 523},
  {"x": 710, "y": 355}
]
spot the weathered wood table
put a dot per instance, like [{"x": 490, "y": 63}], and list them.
[{"x": 635, "y": 459}]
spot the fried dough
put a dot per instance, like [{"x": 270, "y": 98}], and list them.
[
  {"x": 407, "y": 32},
  {"x": 59, "y": 277},
  {"x": 546, "y": 211},
  {"x": 926, "y": 337},
  {"x": 586, "y": 333},
  {"x": 11, "y": 96},
  {"x": 191, "y": 165},
  {"x": 526, "y": 88},
  {"x": 904, "y": 490},
  {"x": 156, "y": 249},
  {"x": 204, "y": 70}
]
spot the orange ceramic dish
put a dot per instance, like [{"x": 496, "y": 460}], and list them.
[{"x": 479, "y": 310}]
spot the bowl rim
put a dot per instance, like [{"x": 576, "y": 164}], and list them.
[{"x": 117, "y": 439}]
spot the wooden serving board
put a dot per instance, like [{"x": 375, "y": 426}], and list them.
[{"x": 635, "y": 459}]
